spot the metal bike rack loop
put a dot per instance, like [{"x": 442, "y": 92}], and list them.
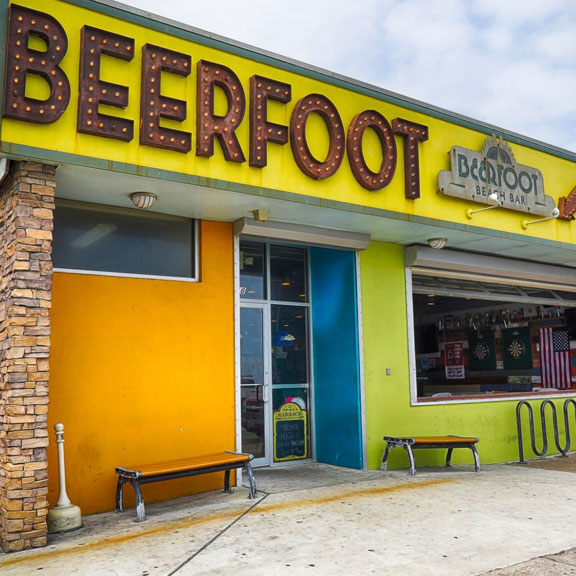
[{"x": 563, "y": 450}]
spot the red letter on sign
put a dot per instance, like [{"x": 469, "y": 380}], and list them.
[
  {"x": 301, "y": 151},
  {"x": 262, "y": 131},
  {"x": 371, "y": 180},
  {"x": 94, "y": 91},
  {"x": 22, "y": 60},
  {"x": 208, "y": 123},
  {"x": 154, "y": 106},
  {"x": 412, "y": 133}
]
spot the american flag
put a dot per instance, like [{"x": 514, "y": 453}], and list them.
[{"x": 555, "y": 358}]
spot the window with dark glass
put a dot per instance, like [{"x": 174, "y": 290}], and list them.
[
  {"x": 288, "y": 280},
  {"x": 106, "y": 239},
  {"x": 252, "y": 270},
  {"x": 289, "y": 344},
  {"x": 482, "y": 338}
]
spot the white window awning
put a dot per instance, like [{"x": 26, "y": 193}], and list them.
[
  {"x": 453, "y": 264},
  {"x": 302, "y": 234}
]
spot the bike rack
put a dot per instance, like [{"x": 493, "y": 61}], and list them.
[{"x": 563, "y": 450}]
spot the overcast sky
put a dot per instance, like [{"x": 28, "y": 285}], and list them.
[{"x": 511, "y": 63}]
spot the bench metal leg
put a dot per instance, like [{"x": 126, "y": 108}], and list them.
[
  {"x": 476, "y": 458},
  {"x": 408, "y": 449},
  {"x": 248, "y": 468},
  {"x": 119, "y": 485},
  {"x": 140, "y": 510},
  {"x": 227, "y": 481},
  {"x": 474, "y": 453},
  {"x": 384, "y": 464},
  {"x": 449, "y": 458}
]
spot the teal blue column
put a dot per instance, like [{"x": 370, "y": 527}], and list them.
[{"x": 337, "y": 406}]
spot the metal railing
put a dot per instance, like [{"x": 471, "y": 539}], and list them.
[{"x": 563, "y": 450}]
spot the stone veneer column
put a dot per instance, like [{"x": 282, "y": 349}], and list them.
[{"x": 26, "y": 211}]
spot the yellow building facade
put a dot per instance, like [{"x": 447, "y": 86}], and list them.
[{"x": 207, "y": 247}]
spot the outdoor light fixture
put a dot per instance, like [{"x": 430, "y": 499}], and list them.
[
  {"x": 260, "y": 215},
  {"x": 143, "y": 200},
  {"x": 437, "y": 243},
  {"x": 495, "y": 201},
  {"x": 554, "y": 215}
]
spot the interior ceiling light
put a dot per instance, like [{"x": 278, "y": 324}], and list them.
[
  {"x": 95, "y": 234},
  {"x": 143, "y": 200}
]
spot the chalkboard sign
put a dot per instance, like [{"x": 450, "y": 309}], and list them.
[{"x": 290, "y": 435}]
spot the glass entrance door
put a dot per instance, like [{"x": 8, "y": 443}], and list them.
[
  {"x": 290, "y": 382},
  {"x": 254, "y": 383},
  {"x": 275, "y": 353}
]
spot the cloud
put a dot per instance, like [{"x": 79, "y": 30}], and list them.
[{"x": 511, "y": 64}]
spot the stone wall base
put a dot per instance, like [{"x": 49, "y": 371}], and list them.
[{"x": 26, "y": 219}]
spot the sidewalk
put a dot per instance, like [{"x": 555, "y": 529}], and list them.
[{"x": 508, "y": 520}]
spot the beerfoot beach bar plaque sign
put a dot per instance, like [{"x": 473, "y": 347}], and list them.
[{"x": 476, "y": 175}]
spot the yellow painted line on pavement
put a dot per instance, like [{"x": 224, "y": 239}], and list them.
[
  {"x": 35, "y": 556},
  {"x": 352, "y": 494}
]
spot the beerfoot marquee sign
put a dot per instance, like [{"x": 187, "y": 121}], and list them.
[{"x": 476, "y": 175}]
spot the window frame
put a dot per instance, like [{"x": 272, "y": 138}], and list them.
[
  {"x": 118, "y": 209},
  {"x": 417, "y": 401}
]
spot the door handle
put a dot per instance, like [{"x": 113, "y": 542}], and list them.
[{"x": 266, "y": 393}]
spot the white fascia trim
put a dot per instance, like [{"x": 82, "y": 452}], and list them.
[{"x": 411, "y": 341}]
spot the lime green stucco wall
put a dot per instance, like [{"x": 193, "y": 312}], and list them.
[{"x": 387, "y": 398}]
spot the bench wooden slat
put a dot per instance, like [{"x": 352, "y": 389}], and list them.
[
  {"x": 193, "y": 463},
  {"x": 443, "y": 439}
]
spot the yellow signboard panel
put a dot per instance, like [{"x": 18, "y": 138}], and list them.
[
  {"x": 290, "y": 433},
  {"x": 95, "y": 83}
]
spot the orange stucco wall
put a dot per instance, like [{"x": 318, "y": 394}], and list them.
[{"x": 142, "y": 371}]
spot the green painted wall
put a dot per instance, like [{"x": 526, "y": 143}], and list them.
[{"x": 387, "y": 398}]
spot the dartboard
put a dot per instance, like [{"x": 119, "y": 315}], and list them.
[
  {"x": 516, "y": 349},
  {"x": 481, "y": 351}
]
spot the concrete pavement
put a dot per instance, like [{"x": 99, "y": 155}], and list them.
[{"x": 508, "y": 520}]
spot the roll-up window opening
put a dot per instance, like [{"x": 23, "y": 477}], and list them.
[{"x": 482, "y": 335}]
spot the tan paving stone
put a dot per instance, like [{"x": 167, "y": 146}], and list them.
[{"x": 537, "y": 567}]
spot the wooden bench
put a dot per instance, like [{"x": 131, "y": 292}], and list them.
[
  {"x": 430, "y": 442},
  {"x": 156, "y": 472}
]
